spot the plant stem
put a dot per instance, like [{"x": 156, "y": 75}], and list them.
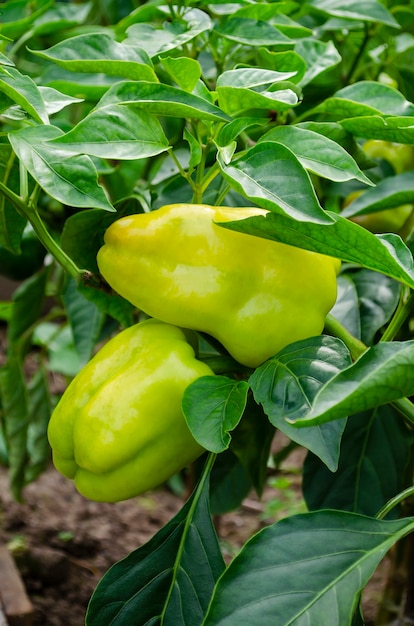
[
  {"x": 354, "y": 345},
  {"x": 394, "y": 502},
  {"x": 402, "y": 311},
  {"x": 31, "y": 214}
]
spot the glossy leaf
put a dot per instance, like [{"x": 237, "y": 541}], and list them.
[
  {"x": 170, "y": 578},
  {"x": 314, "y": 570},
  {"x": 16, "y": 16},
  {"x": 288, "y": 383},
  {"x": 72, "y": 180},
  {"x": 98, "y": 52},
  {"x": 213, "y": 406},
  {"x": 375, "y": 449},
  {"x": 320, "y": 56},
  {"x": 369, "y": 10},
  {"x": 366, "y": 98},
  {"x": 184, "y": 71},
  {"x": 156, "y": 41},
  {"x": 55, "y": 101},
  {"x": 317, "y": 153},
  {"x": 390, "y": 192},
  {"x": 366, "y": 300},
  {"x": 253, "y": 33},
  {"x": 270, "y": 175},
  {"x": 115, "y": 132},
  {"x": 24, "y": 92},
  {"x": 398, "y": 129},
  {"x": 343, "y": 239},
  {"x": 384, "y": 373},
  {"x": 162, "y": 100}
]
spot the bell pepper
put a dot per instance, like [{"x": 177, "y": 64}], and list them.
[
  {"x": 253, "y": 295},
  {"x": 118, "y": 429}
]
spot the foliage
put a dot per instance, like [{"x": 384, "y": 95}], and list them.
[{"x": 115, "y": 108}]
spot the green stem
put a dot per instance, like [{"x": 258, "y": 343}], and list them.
[
  {"x": 406, "y": 408},
  {"x": 394, "y": 502},
  {"x": 182, "y": 171},
  {"x": 41, "y": 231},
  {"x": 358, "y": 56},
  {"x": 189, "y": 519},
  {"x": 402, "y": 311},
  {"x": 354, "y": 345}
]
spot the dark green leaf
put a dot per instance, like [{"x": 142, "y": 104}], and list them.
[
  {"x": 287, "y": 384},
  {"x": 98, "y": 52},
  {"x": 213, "y": 406},
  {"x": 270, "y": 175},
  {"x": 28, "y": 300},
  {"x": 39, "y": 411},
  {"x": 343, "y": 239},
  {"x": 24, "y": 91},
  {"x": 72, "y": 180},
  {"x": 162, "y": 100},
  {"x": 12, "y": 223},
  {"x": 375, "y": 450},
  {"x": 85, "y": 318},
  {"x": 254, "y": 33},
  {"x": 390, "y": 192},
  {"x": 14, "y": 402},
  {"x": 115, "y": 132},
  {"x": 172, "y": 576},
  {"x": 310, "y": 570},
  {"x": 230, "y": 483},
  {"x": 317, "y": 153}
]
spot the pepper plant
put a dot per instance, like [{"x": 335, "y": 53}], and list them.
[{"x": 119, "y": 108}]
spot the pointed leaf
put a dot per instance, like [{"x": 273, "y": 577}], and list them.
[
  {"x": 173, "y": 575},
  {"x": 213, "y": 406},
  {"x": 369, "y": 10},
  {"x": 252, "y": 32},
  {"x": 366, "y": 98},
  {"x": 271, "y": 175},
  {"x": 398, "y": 129},
  {"x": 390, "y": 192},
  {"x": 98, "y": 52},
  {"x": 311, "y": 569},
  {"x": 176, "y": 34},
  {"x": 162, "y": 100},
  {"x": 375, "y": 451},
  {"x": 384, "y": 373},
  {"x": 317, "y": 153},
  {"x": 115, "y": 132},
  {"x": 343, "y": 239},
  {"x": 24, "y": 91},
  {"x": 319, "y": 56},
  {"x": 72, "y": 180},
  {"x": 186, "y": 72},
  {"x": 287, "y": 384}
]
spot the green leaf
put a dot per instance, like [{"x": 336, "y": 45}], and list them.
[
  {"x": 287, "y": 61},
  {"x": 55, "y": 101},
  {"x": 343, "y": 239},
  {"x": 252, "y": 32},
  {"x": 369, "y": 10},
  {"x": 390, "y": 192},
  {"x": 59, "y": 17},
  {"x": 157, "y": 41},
  {"x": 24, "y": 92},
  {"x": 111, "y": 304},
  {"x": 366, "y": 98},
  {"x": 311, "y": 569},
  {"x": 317, "y": 153},
  {"x": 213, "y": 406},
  {"x": 319, "y": 56},
  {"x": 162, "y": 100},
  {"x": 230, "y": 484},
  {"x": 39, "y": 412},
  {"x": 115, "y": 132},
  {"x": 72, "y": 180},
  {"x": 186, "y": 72},
  {"x": 270, "y": 175},
  {"x": 383, "y": 374},
  {"x": 99, "y": 52},
  {"x": 287, "y": 384},
  {"x": 18, "y": 15},
  {"x": 366, "y": 300},
  {"x": 28, "y": 301},
  {"x": 86, "y": 321},
  {"x": 375, "y": 451},
  {"x": 398, "y": 129},
  {"x": 57, "y": 340},
  {"x": 14, "y": 403},
  {"x": 12, "y": 224},
  {"x": 250, "y": 88},
  {"x": 169, "y": 579}
]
